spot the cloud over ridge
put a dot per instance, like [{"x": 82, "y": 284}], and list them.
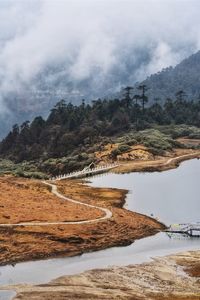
[{"x": 88, "y": 47}]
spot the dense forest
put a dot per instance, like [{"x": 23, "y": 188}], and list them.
[
  {"x": 183, "y": 76},
  {"x": 70, "y": 128},
  {"x": 52, "y": 84}
]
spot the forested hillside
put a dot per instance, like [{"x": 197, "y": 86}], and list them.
[
  {"x": 47, "y": 88},
  {"x": 70, "y": 129},
  {"x": 185, "y": 76}
]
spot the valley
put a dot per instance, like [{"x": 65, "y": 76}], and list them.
[{"x": 99, "y": 149}]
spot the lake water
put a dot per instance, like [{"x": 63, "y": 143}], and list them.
[{"x": 173, "y": 196}]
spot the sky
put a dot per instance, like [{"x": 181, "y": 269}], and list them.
[{"x": 93, "y": 44}]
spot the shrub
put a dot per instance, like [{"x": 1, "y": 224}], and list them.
[
  {"x": 124, "y": 148},
  {"x": 156, "y": 140},
  {"x": 115, "y": 152},
  {"x": 83, "y": 156},
  {"x": 195, "y": 135},
  {"x": 132, "y": 142},
  {"x": 176, "y": 131}
]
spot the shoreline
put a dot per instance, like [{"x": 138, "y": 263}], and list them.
[
  {"x": 174, "y": 276},
  {"x": 118, "y": 240},
  {"x": 158, "y": 165},
  {"x": 75, "y": 239}
]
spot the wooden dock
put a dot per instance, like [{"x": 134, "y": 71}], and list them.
[{"x": 189, "y": 229}]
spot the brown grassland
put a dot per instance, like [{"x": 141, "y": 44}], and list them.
[{"x": 24, "y": 200}]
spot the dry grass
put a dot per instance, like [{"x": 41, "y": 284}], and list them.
[
  {"x": 23, "y": 200},
  {"x": 27, "y": 200}
]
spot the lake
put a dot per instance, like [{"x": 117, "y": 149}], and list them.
[{"x": 173, "y": 196}]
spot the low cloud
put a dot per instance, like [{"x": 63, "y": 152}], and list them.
[{"x": 93, "y": 46}]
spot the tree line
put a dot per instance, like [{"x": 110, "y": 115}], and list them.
[{"x": 71, "y": 126}]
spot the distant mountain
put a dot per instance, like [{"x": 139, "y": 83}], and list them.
[
  {"x": 185, "y": 76},
  {"x": 24, "y": 100},
  {"x": 54, "y": 84}
]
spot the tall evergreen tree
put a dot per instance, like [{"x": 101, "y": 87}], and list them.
[{"x": 143, "y": 88}]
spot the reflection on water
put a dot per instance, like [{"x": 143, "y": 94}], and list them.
[
  {"x": 171, "y": 195},
  {"x": 140, "y": 251}
]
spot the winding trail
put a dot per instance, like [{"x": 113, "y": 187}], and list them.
[
  {"x": 179, "y": 158},
  {"x": 107, "y": 213},
  {"x": 54, "y": 190}
]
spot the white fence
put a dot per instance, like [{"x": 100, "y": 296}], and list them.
[{"x": 84, "y": 172}]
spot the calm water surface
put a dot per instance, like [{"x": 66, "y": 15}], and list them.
[{"x": 173, "y": 196}]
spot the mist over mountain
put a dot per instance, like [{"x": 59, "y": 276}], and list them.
[
  {"x": 185, "y": 76},
  {"x": 86, "y": 49}
]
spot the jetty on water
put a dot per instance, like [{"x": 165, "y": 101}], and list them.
[
  {"x": 189, "y": 229},
  {"x": 88, "y": 171}
]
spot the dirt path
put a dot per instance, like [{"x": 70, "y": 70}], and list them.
[
  {"x": 162, "y": 164},
  {"x": 107, "y": 212},
  {"x": 177, "y": 158}
]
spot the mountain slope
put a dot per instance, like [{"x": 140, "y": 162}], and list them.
[
  {"x": 77, "y": 132},
  {"x": 185, "y": 76},
  {"x": 53, "y": 84}
]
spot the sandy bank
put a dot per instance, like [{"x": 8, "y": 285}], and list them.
[{"x": 168, "y": 278}]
